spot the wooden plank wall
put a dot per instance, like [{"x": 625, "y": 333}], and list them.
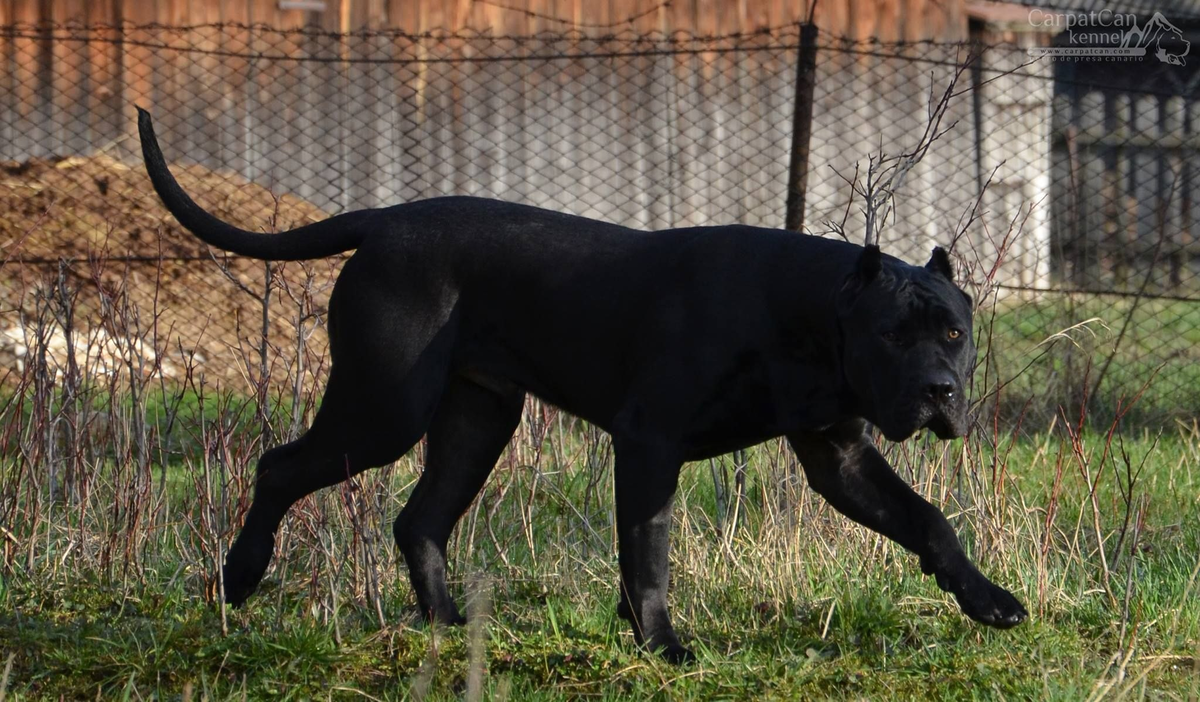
[
  {"x": 645, "y": 138},
  {"x": 284, "y": 123},
  {"x": 642, "y": 138},
  {"x": 649, "y": 134},
  {"x": 888, "y": 20},
  {"x": 1126, "y": 167},
  {"x": 646, "y": 134}
]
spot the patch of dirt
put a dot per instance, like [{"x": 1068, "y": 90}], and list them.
[{"x": 102, "y": 216}]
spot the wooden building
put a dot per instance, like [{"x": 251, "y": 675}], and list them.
[
  {"x": 689, "y": 135},
  {"x": 887, "y": 20}
]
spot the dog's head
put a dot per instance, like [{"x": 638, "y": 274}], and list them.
[
  {"x": 1167, "y": 41},
  {"x": 1173, "y": 48},
  {"x": 907, "y": 351}
]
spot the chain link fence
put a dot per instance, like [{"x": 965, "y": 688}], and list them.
[{"x": 1066, "y": 190}]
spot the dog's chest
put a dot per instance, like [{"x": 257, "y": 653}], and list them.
[{"x": 761, "y": 396}]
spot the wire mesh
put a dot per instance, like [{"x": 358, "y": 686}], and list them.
[{"x": 1066, "y": 190}]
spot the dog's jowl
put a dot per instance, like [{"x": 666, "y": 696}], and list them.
[{"x": 681, "y": 344}]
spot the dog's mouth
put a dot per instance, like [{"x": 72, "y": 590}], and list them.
[
  {"x": 942, "y": 428},
  {"x": 946, "y": 422},
  {"x": 943, "y": 422}
]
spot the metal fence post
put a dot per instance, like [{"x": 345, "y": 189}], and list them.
[{"x": 806, "y": 82}]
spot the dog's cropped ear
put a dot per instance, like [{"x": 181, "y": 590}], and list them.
[
  {"x": 869, "y": 263},
  {"x": 866, "y": 270},
  {"x": 940, "y": 263}
]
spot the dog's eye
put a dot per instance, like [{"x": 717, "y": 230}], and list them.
[
  {"x": 891, "y": 337},
  {"x": 953, "y": 334}
]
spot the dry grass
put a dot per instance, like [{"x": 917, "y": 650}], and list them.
[
  {"x": 119, "y": 494},
  {"x": 120, "y": 491}
]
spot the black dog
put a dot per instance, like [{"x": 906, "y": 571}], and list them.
[{"x": 681, "y": 344}]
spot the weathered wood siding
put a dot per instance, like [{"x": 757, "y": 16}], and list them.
[
  {"x": 888, "y": 20},
  {"x": 648, "y": 132},
  {"x": 637, "y": 129},
  {"x": 1126, "y": 166}
]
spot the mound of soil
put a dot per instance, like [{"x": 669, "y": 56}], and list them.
[{"x": 130, "y": 271}]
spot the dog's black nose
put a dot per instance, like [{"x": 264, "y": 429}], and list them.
[{"x": 941, "y": 390}]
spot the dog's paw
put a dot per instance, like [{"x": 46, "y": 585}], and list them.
[
  {"x": 444, "y": 617},
  {"x": 984, "y": 601},
  {"x": 245, "y": 565},
  {"x": 677, "y": 655},
  {"x": 668, "y": 647}
]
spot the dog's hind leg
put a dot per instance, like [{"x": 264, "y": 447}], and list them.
[
  {"x": 372, "y": 413},
  {"x": 470, "y": 429},
  {"x": 248, "y": 558}
]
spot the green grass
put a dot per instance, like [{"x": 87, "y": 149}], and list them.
[
  {"x": 107, "y": 593},
  {"x": 1123, "y": 344},
  {"x": 794, "y": 604}
]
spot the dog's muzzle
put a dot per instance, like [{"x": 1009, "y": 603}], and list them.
[
  {"x": 946, "y": 407},
  {"x": 937, "y": 405}
]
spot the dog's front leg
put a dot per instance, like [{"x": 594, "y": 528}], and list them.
[
  {"x": 844, "y": 467},
  {"x": 646, "y": 477}
]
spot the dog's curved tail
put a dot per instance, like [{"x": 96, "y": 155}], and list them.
[{"x": 325, "y": 238}]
